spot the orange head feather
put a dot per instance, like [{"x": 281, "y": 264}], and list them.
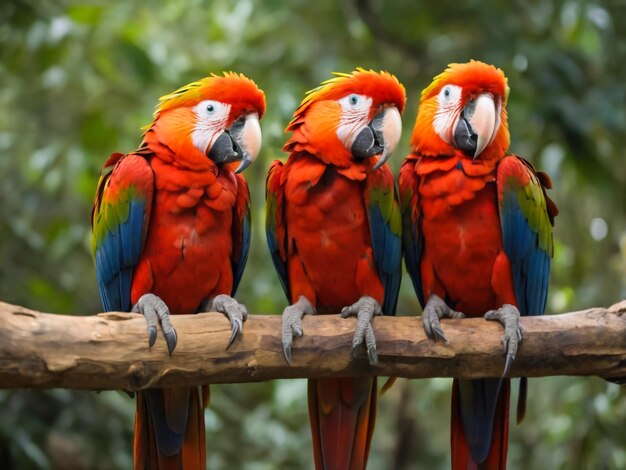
[
  {"x": 216, "y": 116},
  {"x": 324, "y": 125},
  {"x": 464, "y": 94},
  {"x": 237, "y": 90}
]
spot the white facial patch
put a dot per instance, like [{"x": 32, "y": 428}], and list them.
[
  {"x": 449, "y": 99},
  {"x": 355, "y": 110},
  {"x": 212, "y": 117}
]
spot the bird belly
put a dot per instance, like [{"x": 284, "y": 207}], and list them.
[
  {"x": 331, "y": 237},
  {"x": 187, "y": 256},
  {"x": 462, "y": 245}
]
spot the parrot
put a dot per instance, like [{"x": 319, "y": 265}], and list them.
[
  {"x": 333, "y": 227},
  {"x": 477, "y": 239},
  {"x": 171, "y": 234}
]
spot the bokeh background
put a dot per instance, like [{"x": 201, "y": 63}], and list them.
[{"x": 77, "y": 81}]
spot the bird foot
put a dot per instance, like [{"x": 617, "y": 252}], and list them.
[
  {"x": 235, "y": 312},
  {"x": 156, "y": 312},
  {"x": 434, "y": 310},
  {"x": 291, "y": 323},
  {"x": 508, "y": 315},
  {"x": 364, "y": 309}
]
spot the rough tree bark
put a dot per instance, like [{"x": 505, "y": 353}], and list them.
[{"x": 110, "y": 351}]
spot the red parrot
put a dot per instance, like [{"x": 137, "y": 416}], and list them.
[
  {"x": 171, "y": 231},
  {"x": 334, "y": 232},
  {"x": 477, "y": 238}
]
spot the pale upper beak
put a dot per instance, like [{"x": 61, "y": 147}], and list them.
[
  {"x": 476, "y": 126},
  {"x": 242, "y": 142},
  {"x": 379, "y": 137}
]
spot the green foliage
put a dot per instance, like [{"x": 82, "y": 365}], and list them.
[{"x": 78, "y": 82}]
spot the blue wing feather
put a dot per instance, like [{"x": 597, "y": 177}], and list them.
[
  {"x": 117, "y": 240},
  {"x": 385, "y": 228},
  {"x": 387, "y": 250},
  {"x": 526, "y": 216},
  {"x": 412, "y": 241},
  {"x": 240, "y": 264},
  {"x": 274, "y": 218},
  {"x": 279, "y": 264}
]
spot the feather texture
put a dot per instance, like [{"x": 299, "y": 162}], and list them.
[
  {"x": 333, "y": 228},
  {"x": 478, "y": 234},
  {"x": 169, "y": 221}
]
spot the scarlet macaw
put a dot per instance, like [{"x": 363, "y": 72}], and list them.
[
  {"x": 333, "y": 229},
  {"x": 477, "y": 238},
  {"x": 171, "y": 231}
]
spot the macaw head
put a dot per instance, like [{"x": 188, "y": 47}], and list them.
[
  {"x": 349, "y": 117},
  {"x": 464, "y": 110},
  {"x": 212, "y": 121}
]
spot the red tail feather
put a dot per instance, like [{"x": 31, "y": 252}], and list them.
[
  {"x": 461, "y": 458},
  {"x": 193, "y": 452},
  {"x": 342, "y": 414}
]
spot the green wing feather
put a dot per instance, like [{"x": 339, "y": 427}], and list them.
[
  {"x": 385, "y": 222},
  {"x": 120, "y": 219}
]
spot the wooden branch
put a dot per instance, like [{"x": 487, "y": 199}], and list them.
[{"x": 110, "y": 351}]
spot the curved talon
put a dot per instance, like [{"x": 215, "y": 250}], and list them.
[
  {"x": 236, "y": 313},
  {"x": 291, "y": 323},
  {"x": 156, "y": 312},
  {"x": 152, "y": 332},
  {"x": 236, "y": 327},
  {"x": 508, "y": 316},
  {"x": 508, "y": 362},
  {"x": 171, "y": 340},
  {"x": 365, "y": 309},
  {"x": 434, "y": 310},
  {"x": 372, "y": 355}
]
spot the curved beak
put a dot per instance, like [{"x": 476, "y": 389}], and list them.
[
  {"x": 390, "y": 129},
  {"x": 249, "y": 138},
  {"x": 242, "y": 142},
  {"x": 476, "y": 126},
  {"x": 379, "y": 137}
]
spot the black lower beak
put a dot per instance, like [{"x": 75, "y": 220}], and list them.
[
  {"x": 369, "y": 141},
  {"x": 225, "y": 149},
  {"x": 465, "y": 138}
]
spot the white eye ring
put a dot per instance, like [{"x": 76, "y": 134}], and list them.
[{"x": 353, "y": 99}]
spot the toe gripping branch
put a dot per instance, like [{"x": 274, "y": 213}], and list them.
[
  {"x": 435, "y": 310},
  {"x": 156, "y": 312},
  {"x": 291, "y": 323},
  {"x": 508, "y": 315},
  {"x": 236, "y": 313},
  {"x": 364, "y": 309}
]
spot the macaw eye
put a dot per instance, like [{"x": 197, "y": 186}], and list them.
[
  {"x": 449, "y": 95},
  {"x": 210, "y": 108},
  {"x": 353, "y": 99}
]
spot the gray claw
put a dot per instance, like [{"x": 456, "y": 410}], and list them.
[
  {"x": 234, "y": 311},
  {"x": 155, "y": 311},
  {"x": 237, "y": 326},
  {"x": 508, "y": 316},
  {"x": 434, "y": 310},
  {"x": 291, "y": 323},
  {"x": 437, "y": 331},
  {"x": 507, "y": 364},
  {"x": 170, "y": 340},
  {"x": 372, "y": 355},
  {"x": 152, "y": 332},
  {"x": 365, "y": 309},
  {"x": 287, "y": 351}
]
